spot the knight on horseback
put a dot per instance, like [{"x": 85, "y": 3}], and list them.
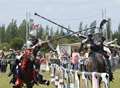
[
  {"x": 25, "y": 68},
  {"x": 94, "y": 48},
  {"x": 36, "y": 46},
  {"x": 106, "y": 56}
]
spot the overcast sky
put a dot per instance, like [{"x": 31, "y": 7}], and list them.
[{"x": 65, "y": 12}]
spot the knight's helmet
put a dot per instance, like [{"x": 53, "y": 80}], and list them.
[
  {"x": 90, "y": 36},
  {"x": 39, "y": 53},
  {"x": 28, "y": 44},
  {"x": 34, "y": 40},
  {"x": 31, "y": 41},
  {"x": 103, "y": 38}
]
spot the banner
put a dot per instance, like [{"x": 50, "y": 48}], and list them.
[
  {"x": 64, "y": 50},
  {"x": 34, "y": 30},
  {"x": 35, "y": 26}
]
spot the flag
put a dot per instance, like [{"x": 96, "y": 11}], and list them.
[
  {"x": 35, "y": 26},
  {"x": 33, "y": 32}
]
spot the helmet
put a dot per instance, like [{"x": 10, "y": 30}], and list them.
[
  {"x": 90, "y": 35},
  {"x": 103, "y": 38},
  {"x": 28, "y": 44},
  {"x": 38, "y": 53}
]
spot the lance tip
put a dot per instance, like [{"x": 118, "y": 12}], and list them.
[{"x": 35, "y": 14}]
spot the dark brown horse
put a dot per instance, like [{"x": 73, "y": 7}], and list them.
[{"x": 96, "y": 63}]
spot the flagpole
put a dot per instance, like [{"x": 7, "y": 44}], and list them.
[
  {"x": 26, "y": 27},
  {"x": 29, "y": 19}
]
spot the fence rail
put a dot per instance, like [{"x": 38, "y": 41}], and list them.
[{"x": 68, "y": 78}]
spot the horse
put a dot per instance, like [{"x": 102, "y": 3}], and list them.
[
  {"x": 26, "y": 71},
  {"x": 95, "y": 62},
  {"x": 23, "y": 71}
]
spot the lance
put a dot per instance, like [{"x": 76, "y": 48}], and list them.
[
  {"x": 54, "y": 22},
  {"x": 63, "y": 26},
  {"x": 100, "y": 28}
]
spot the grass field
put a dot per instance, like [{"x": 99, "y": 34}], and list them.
[{"x": 4, "y": 80}]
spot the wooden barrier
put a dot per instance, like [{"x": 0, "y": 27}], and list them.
[{"x": 68, "y": 78}]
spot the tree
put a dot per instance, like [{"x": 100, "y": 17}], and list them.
[
  {"x": 22, "y": 30},
  {"x": 109, "y": 32},
  {"x": 80, "y": 27},
  {"x": 86, "y": 32},
  {"x": 51, "y": 32},
  {"x": 93, "y": 24},
  {"x": 116, "y": 34},
  {"x": 40, "y": 32},
  {"x": 57, "y": 32},
  {"x": 119, "y": 28},
  {"x": 68, "y": 32},
  {"x": 16, "y": 43},
  {"x": 2, "y": 34},
  {"x": 11, "y": 31},
  {"x": 4, "y": 46},
  {"x": 47, "y": 32},
  {"x": 62, "y": 33}
]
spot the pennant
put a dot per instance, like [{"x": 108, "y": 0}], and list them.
[
  {"x": 58, "y": 51},
  {"x": 85, "y": 83},
  {"x": 61, "y": 83},
  {"x": 33, "y": 31},
  {"x": 105, "y": 79},
  {"x": 52, "y": 73},
  {"x": 76, "y": 80},
  {"x": 56, "y": 81},
  {"x": 35, "y": 26},
  {"x": 95, "y": 82}
]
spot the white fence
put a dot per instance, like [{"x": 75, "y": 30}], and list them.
[{"x": 67, "y": 78}]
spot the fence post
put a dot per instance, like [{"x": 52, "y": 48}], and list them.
[
  {"x": 95, "y": 82},
  {"x": 105, "y": 79}
]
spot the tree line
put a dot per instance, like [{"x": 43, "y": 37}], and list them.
[{"x": 14, "y": 36}]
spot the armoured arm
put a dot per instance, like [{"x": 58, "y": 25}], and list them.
[{"x": 82, "y": 43}]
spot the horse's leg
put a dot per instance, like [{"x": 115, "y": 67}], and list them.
[
  {"x": 89, "y": 65},
  {"x": 100, "y": 79},
  {"x": 17, "y": 87},
  {"x": 28, "y": 84},
  {"x": 41, "y": 80}
]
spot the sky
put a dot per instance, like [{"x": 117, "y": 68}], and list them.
[{"x": 64, "y": 12}]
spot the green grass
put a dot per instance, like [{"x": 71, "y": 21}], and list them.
[
  {"x": 4, "y": 80},
  {"x": 116, "y": 81}
]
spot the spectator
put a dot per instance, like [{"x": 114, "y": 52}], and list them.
[
  {"x": 3, "y": 62},
  {"x": 75, "y": 59},
  {"x": 64, "y": 58}
]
